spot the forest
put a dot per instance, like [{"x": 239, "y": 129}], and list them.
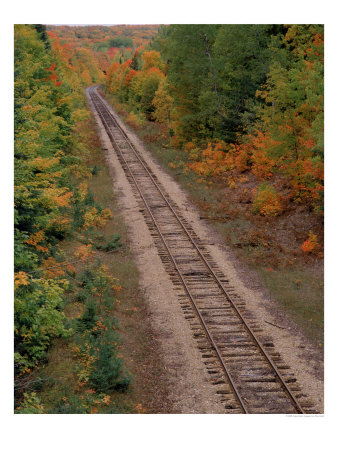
[
  {"x": 58, "y": 228},
  {"x": 248, "y": 97},
  {"x": 234, "y": 110}
]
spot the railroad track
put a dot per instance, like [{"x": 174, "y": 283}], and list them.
[{"x": 248, "y": 373}]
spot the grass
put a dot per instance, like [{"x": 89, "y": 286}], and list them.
[
  {"x": 296, "y": 280},
  {"x": 305, "y": 307}
]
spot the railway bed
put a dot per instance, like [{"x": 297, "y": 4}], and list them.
[{"x": 242, "y": 363}]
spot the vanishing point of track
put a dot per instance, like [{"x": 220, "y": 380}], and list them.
[{"x": 242, "y": 363}]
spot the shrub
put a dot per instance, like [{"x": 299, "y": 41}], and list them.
[
  {"x": 74, "y": 406},
  {"x": 112, "y": 244},
  {"x": 38, "y": 319},
  {"x": 86, "y": 402},
  {"x": 31, "y": 405},
  {"x": 95, "y": 170},
  {"x": 82, "y": 296},
  {"x": 86, "y": 278},
  {"x": 135, "y": 120},
  {"x": 88, "y": 319},
  {"x": 267, "y": 201},
  {"x": 101, "y": 366},
  {"x": 311, "y": 244},
  {"x": 107, "y": 372}
]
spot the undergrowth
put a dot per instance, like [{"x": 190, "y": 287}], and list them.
[
  {"x": 264, "y": 229},
  {"x": 84, "y": 371}
]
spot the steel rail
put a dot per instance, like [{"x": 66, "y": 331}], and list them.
[
  {"x": 247, "y": 326},
  {"x": 214, "y": 345}
]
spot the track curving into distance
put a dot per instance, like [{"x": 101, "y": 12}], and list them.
[{"x": 250, "y": 376}]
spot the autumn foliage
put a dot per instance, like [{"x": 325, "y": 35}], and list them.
[
  {"x": 267, "y": 202},
  {"x": 284, "y": 135},
  {"x": 266, "y": 121},
  {"x": 311, "y": 244},
  {"x": 241, "y": 102},
  {"x": 51, "y": 194},
  {"x": 54, "y": 208},
  {"x": 143, "y": 89}
]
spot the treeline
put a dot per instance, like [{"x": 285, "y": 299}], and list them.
[
  {"x": 106, "y": 39},
  {"x": 89, "y": 51},
  {"x": 89, "y": 33},
  {"x": 140, "y": 82},
  {"x": 238, "y": 98},
  {"x": 81, "y": 65},
  {"x": 52, "y": 204}
]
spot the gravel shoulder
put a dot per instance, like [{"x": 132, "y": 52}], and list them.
[{"x": 181, "y": 357}]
